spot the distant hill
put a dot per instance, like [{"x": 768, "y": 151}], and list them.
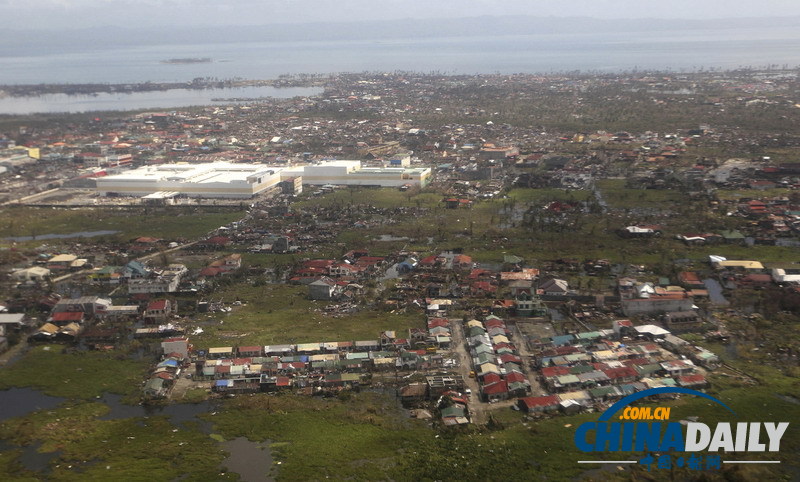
[{"x": 28, "y": 42}]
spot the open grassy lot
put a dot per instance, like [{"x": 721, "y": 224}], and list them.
[
  {"x": 364, "y": 437},
  {"x": 81, "y": 375},
  {"x": 277, "y": 314},
  {"x": 732, "y": 195},
  {"x": 342, "y": 439},
  {"x": 494, "y": 228},
  {"x": 358, "y": 438},
  {"x": 378, "y": 197},
  {"x": 124, "y": 449},
  {"x": 540, "y": 195},
  {"x": 618, "y": 196},
  {"x": 164, "y": 223}
]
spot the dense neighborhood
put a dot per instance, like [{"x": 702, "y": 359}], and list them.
[{"x": 454, "y": 248}]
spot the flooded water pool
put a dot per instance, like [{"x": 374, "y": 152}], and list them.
[
  {"x": 251, "y": 460},
  {"x": 715, "y": 292},
  {"x": 177, "y": 413},
  {"x": 389, "y": 237},
  {"x": 18, "y": 402},
  {"x": 42, "y": 237}
]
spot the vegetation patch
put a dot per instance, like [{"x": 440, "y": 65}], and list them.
[
  {"x": 77, "y": 375},
  {"x": 276, "y": 314},
  {"x": 173, "y": 223},
  {"x": 125, "y": 449}
]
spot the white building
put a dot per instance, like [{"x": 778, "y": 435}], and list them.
[
  {"x": 217, "y": 179},
  {"x": 230, "y": 180},
  {"x": 786, "y": 275},
  {"x": 167, "y": 281},
  {"x": 350, "y": 173},
  {"x": 33, "y": 274}
]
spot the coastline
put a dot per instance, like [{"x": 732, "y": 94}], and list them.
[{"x": 33, "y": 90}]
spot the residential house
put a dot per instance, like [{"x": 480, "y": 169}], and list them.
[
  {"x": 322, "y": 289},
  {"x": 158, "y": 311},
  {"x": 495, "y": 391},
  {"x": 11, "y": 323},
  {"x": 413, "y": 393},
  {"x": 91, "y": 305},
  {"x": 521, "y": 286},
  {"x": 547, "y": 403},
  {"x": 682, "y": 321},
  {"x": 179, "y": 345},
  {"x": 554, "y": 287},
  {"x": 32, "y": 275},
  {"x": 61, "y": 262}
]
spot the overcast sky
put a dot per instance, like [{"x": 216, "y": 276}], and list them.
[{"x": 27, "y": 14}]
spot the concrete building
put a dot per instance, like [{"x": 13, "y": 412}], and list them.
[
  {"x": 787, "y": 274},
  {"x": 92, "y": 305},
  {"x": 167, "y": 281},
  {"x": 657, "y": 304},
  {"x": 322, "y": 289},
  {"x": 178, "y": 345},
  {"x": 162, "y": 183},
  {"x": 218, "y": 179},
  {"x": 35, "y": 274},
  {"x": 350, "y": 173}
]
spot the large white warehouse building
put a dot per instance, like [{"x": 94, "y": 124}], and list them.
[
  {"x": 350, "y": 173},
  {"x": 231, "y": 180},
  {"x": 218, "y": 179}
]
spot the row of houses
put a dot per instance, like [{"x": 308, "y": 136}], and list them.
[
  {"x": 605, "y": 365},
  {"x": 358, "y": 266},
  {"x": 387, "y": 341},
  {"x": 575, "y": 401},
  {"x": 319, "y": 364},
  {"x": 162, "y": 377},
  {"x": 498, "y": 366},
  {"x": 69, "y": 317},
  {"x": 332, "y": 370},
  {"x": 290, "y": 365}
]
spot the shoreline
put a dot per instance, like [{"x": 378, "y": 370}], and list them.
[{"x": 33, "y": 90}]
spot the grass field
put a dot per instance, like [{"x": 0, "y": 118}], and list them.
[
  {"x": 343, "y": 439},
  {"x": 88, "y": 448},
  {"x": 487, "y": 233},
  {"x": 541, "y": 195},
  {"x": 618, "y": 196},
  {"x": 82, "y": 375},
  {"x": 733, "y": 195},
  {"x": 378, "y": 197},
  {"x": 365, "y": 437},
  {"x": 278, "y": 314},
  {"x": 166, "y": 224}
]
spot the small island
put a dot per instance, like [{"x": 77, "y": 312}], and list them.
[{"x": 188, "y": 60}]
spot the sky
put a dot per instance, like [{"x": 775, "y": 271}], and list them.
[{"x": 69, "y": 14}]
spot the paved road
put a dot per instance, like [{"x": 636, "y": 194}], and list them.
[
  {"x": 13, "y": 353},
  {"x": 459, "y": 344},
  {"x": 166, "y": 251},
  {"x": 527, "y": 358},
  {"x": 480, "y": 410},
  {"x": 715, "y": 292}
]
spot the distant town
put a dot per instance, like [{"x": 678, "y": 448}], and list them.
[{"x": 424, "y": 261}]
